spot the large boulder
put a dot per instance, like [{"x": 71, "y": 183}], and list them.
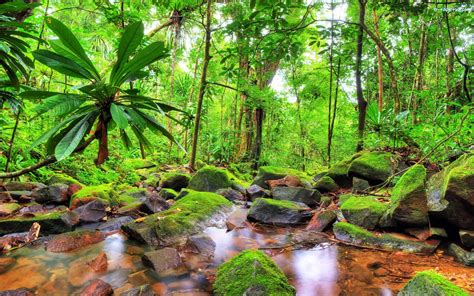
[
  {"x": 310, "y": 197},
  {"x": 451, "y": 193},
  {"x": 186, "y": 217},
  {"x": 174, "y": 180},
  {"x": 375, "y": 167},
  {"x": 326, "y": 184},
  {"x": 409, "y": 202},
  {"x": 278, "y": 212},
  {"x": 359, "y": 236},
  {"x": 162, "y": 260},
  {"x": 339, "y": 172},
  {"x": 51, "y": 223},
  {"x": 430, "y": 283},
  {"x": 251, "y": 273},
  {"x": 268, "y": 173},
  {"x": 363, "y": 210},
  {"x": 211, "y": 179}
]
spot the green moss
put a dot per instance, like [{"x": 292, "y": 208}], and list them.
[
  {"x": 174, "y": 180},
  {"x": 211, "y": 179},
  {"x": 242, "y": 170},
  {"x": 63, "y": 179},
  {"x": 153, "y": 180},
  {"x": 129, "y": 196},
  {"x": 9, "y": 208},
  {"x": 104, "y": 192},
  {"x": 361, "y": 202},
  {"x": 168, "y": 193},
  {"x": 461, "y": 178},
  {"x": 266, "y": 173},
  {"x": 412, "y": 181},
  {"x": 50, "y": 222},
  {"x": 373, "y": 166},
  {"x": 137, "y": 163},
  {"x": 430, "y": 282},
  {"x": 279, "y": 203},
  {"x": 326, "y": 184},
  {"x": 251, "y": 273}
]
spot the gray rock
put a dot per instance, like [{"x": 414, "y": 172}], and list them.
[
  {"x": 201, "y": 244},
  {"x": 231, "y": 194},
  {"x": 255, "y": 191},
  {"x": 154, "y": 204},
  {"x": 162, "y": 260},
  {"x": 55, "y": 193},
  {"x": 278, "y": 212},
  {"x": 467, "y": 238},
  {"x": 93, "y": 211},
  {"x": 461, "y": 255},
  {"x": 322, "y": 220},
  {"x": 115, "y": 223},
  {"x": 359, "y": 185},
  {"x": 310, "y": 197}
]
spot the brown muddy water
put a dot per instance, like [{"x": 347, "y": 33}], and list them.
[{"x": 323, "y": 269}]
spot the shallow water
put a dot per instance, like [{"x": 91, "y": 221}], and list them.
[{"x": 323, "y": 269}]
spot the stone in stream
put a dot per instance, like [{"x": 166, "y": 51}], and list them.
[
  {"x": 425, "y": 233},
  {"x": 70, "y": 241},
  {"x": 162, "y": 260},
  {"x": 267, "y": 173},
  {"x": 51, "y": 223},
  {"x": 310, "y": 197},
  {"x": 251, "y": 273},
  {"x": 17, "y": 292},
  {"x": 144, "y": 290},
  {"x": 97, "y": 288},
  {"x": 363, "y": 210},
  {"x": 201, "y": 244},
  {"x": 55, "y": 193},
  {"x": 7, "y": 209},
  {"x": 467, "y": 238},
  {"x": 451, "y": 193},
  {"x": 375, "y": 167},
  {"x": 278, "y": 212},
  {"x": 211, "y": 179},
  {"x": 93, "y": 211},
  {"x": 461, "y": 255},
  {"x": 231, "y": 194},
  {"x": 326, "y": 184},
  {"x": 6, "y": 263},
  {"x": 99, "y": 263},
  {"x": 154, "y": 204},
  {"x": 359, "y": 236},
  {"x": 174, "y": 180},
  {"x": 255, "y": 191},
  {"x": 321, "y": 220},
  {"x": 430, "y": 282},
  {"x": 186, "y": 217},
  {"x": 114, "y": 223},
  {"x": 408, "y": 204}
]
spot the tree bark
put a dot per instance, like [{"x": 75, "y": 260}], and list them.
[
  {"x": 379, "y": 65},
  {"x": 418, "y": 80},
  {"x": 202, "y": 88},
  {"x": 361, "y": 102}
]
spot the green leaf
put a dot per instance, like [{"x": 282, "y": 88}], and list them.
[
  {"x": 60, "y": 104},
  {"x": 119, "y": 116},
  {"x": 37, "y": 94},
  {"x": 61, "y": 64},
  {"x": 71, "y": 140},
  {"x": 131, "y": 39},
  {"x": 125, "y": 139}
]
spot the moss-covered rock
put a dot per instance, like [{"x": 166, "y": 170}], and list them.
[
  {"x": 279, "y": 212},
  {"x": 266, "y": 173},
  {"x": 251, "y": 273},
  {"x": 186, "y": 217},
  {"x": 375, "y": 167},
  {"x": 359, "y": 236},
  {"x": 152, "y": 179},
  {"x": 104, "y": 192},
  {"x": 451, "y": 193},
  {"x": 326, "y": 184},
  {"x": 310, "y": 197},
  {"x": 168, "y": 193},
  {"x": 63, "y": 178},
  {"x": 363, "y": 210},
  {"x": 430, "y": 282},
  {"x": 138, "y": 163},
  {"x": 409, "y": 203},
  {"x": 175, "y": 180},
  {"x": 211, "y": 179},
  {"x": 51, "y": 223},
  {"x": 8, "y": 208},
  {"x": 130, "y": 195},
  {"x": 339, "y": 172}
]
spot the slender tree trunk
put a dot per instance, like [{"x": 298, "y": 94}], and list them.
[
  {"x": 334, "y": 109},
  {"x": 202, "y": 89},
  {"x": 379, "y": 65},
  {"x": 361, "y": 102},
  {"x": 418, "y": 80},
  {"x": 331, "y": 70}
]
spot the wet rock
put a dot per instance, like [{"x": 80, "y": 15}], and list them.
[
  {"x": 308, "y": 238},
  {"x": 55, "y": 286},
  {"x": 186, "y": 217},
  {"x": 408, "y": 204},
  {"x": 461, "y": 255},
  {"x": 326, "y": 184},
  {"x": 74, "y": 240},
  {"x": 359, "y": 185},
  {"x": 279, "y": 212},
  {"x": 22, "y": 186},
  {"x": 267, "y": 173},
  {"x": 55, "y": 193},
  {"x": 154, "y": 204},
  {"x": 451, "y": 193},
  {"x": 374, "y": 167},
  {"x": 251, "y": 273},
  {"x": 359, "y": 236},
  {"x": 231, "y": 194},
  {"x": 168, "y": 193},
  {"x": 6, "y": 263},
  {"x": 97, "y": 288},
  {"x": 174, "y": 180},
  {"x": 211, "y": 179},
  {"x": 115, "y": 223},
  {"x": 162, "y": 260},
  {"x": 144, "y": 290},
  {"x": 255, "y": 191},
  {"x": 467, "y": 238},
  {"x": 17, "y": 292},
  {"x": 430, "y": 283},
  {"x": 310, "y": 197},
  {"x": 364, "y": 211},
  {"x": 7, "y": 209},
  {"x": 93, "y": 211},
  {"x": 28, "y": 276},
  {"x": 425, "y": 233},
  {"x": 99, "y": 263},
  {"x": 321, "y": 220},
  {"x": 201, "y": 244},
  {"x": 51, "y": 223}
]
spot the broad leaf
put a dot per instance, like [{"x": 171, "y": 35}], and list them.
[
  {"x": 61, "y": 64},
  {"x": 119, "y": 116},
  {"x": 71, "y": 140}
]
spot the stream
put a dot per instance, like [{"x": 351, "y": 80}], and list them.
[{"x": 323, "y": 269}]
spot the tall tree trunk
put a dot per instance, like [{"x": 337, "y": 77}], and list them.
[
  {"x": 334, "y": 109},
  {"x": 361, "y": 102},
  {"x": 379, "y": 65},
  {"x": 418, "y": 80},
  {"x": 202, "y": 88},
  {"x": 331, "y": 70}
]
